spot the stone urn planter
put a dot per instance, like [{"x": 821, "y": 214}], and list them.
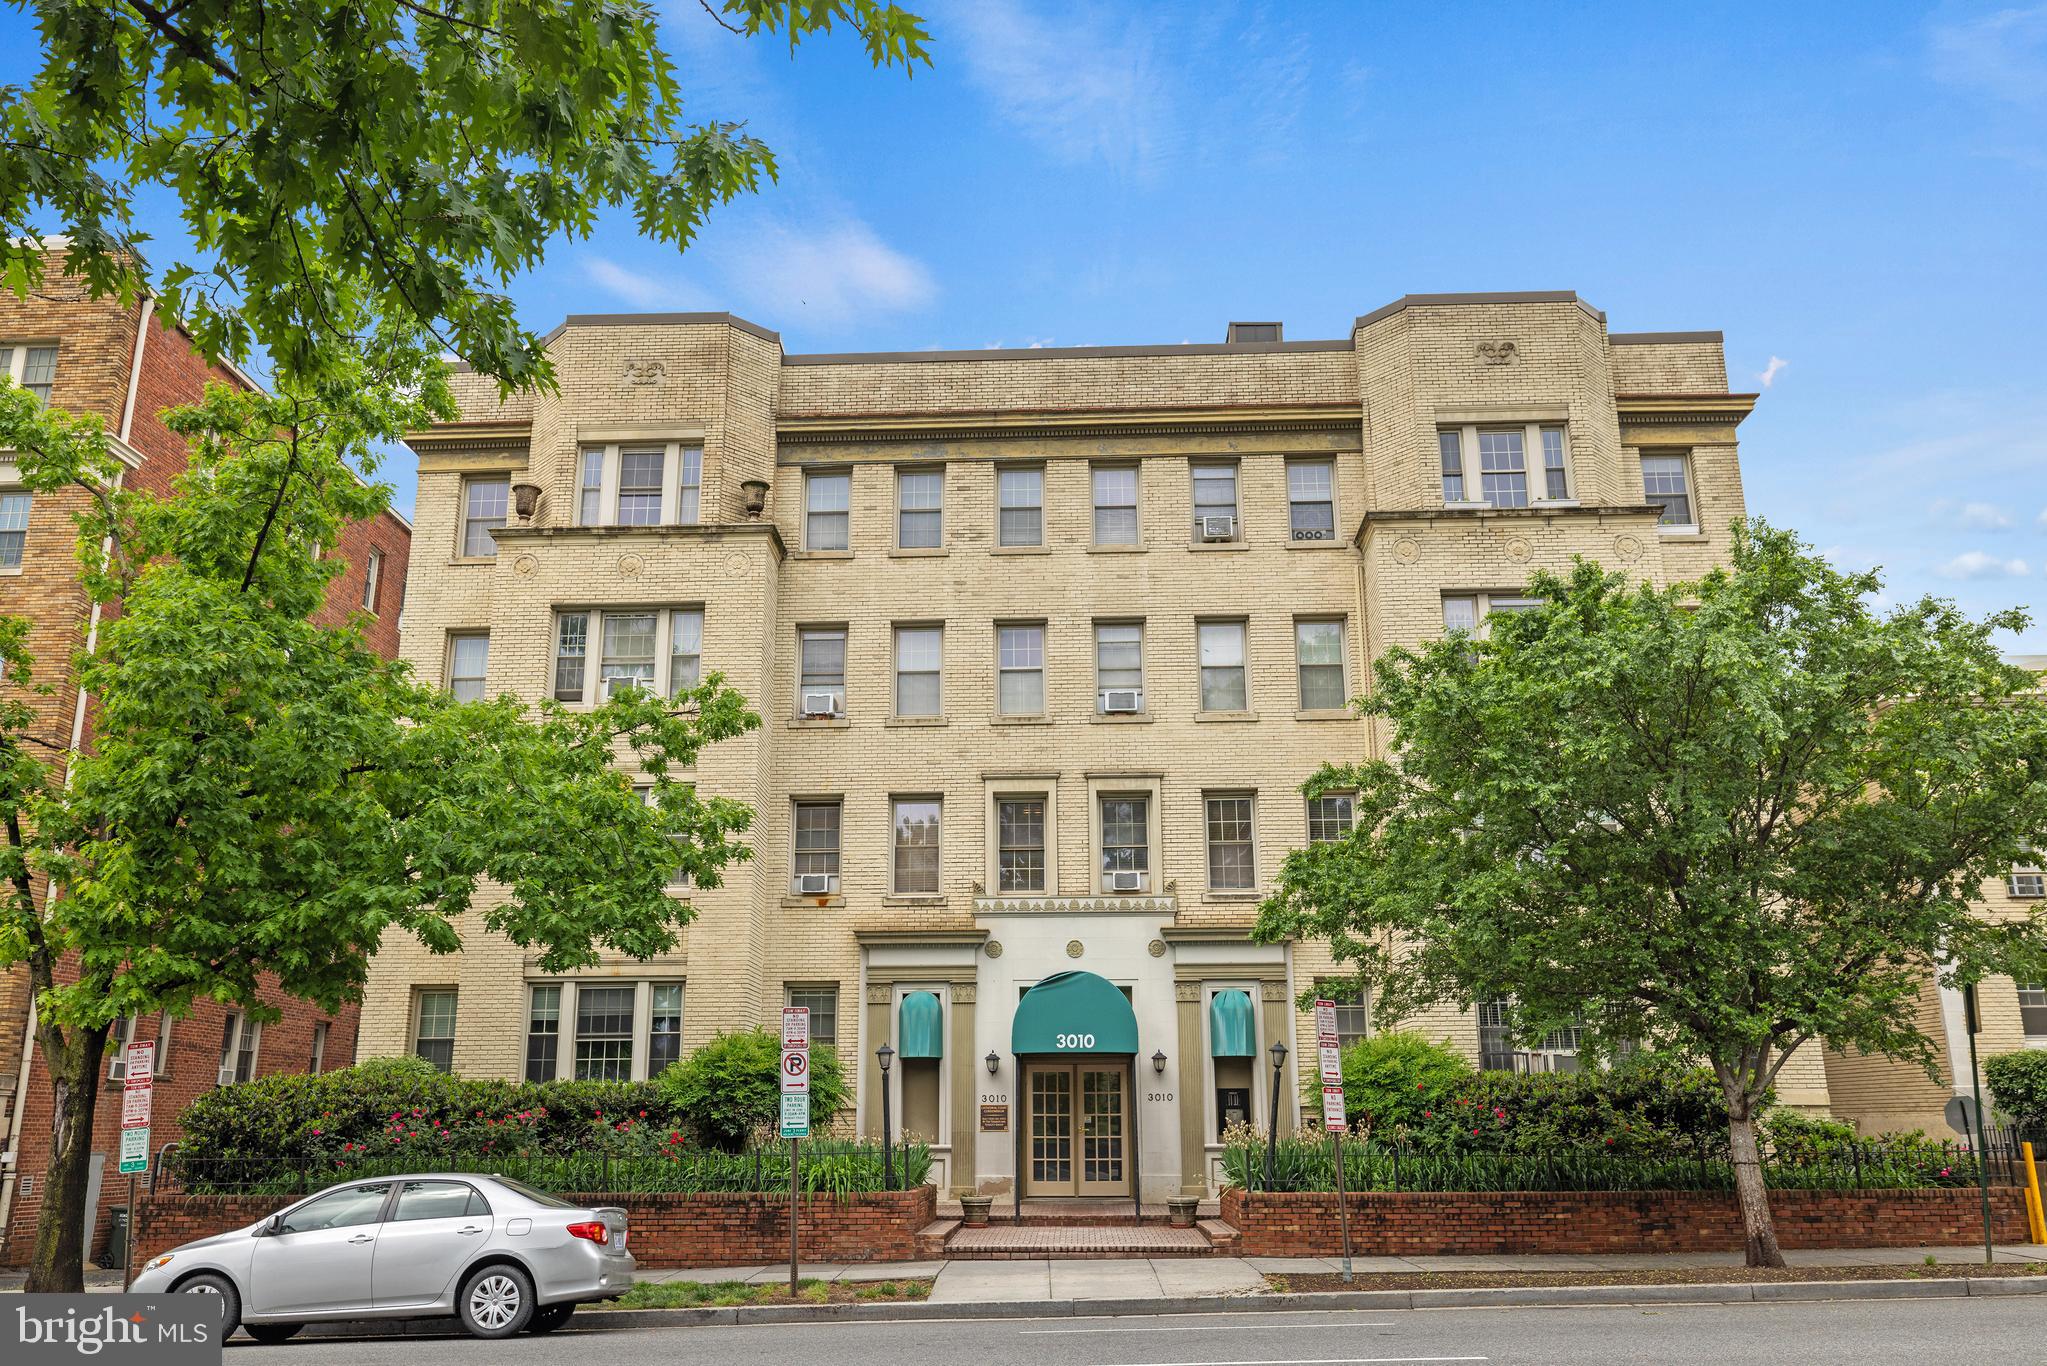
[
  {"x": 1180, "y": 1209},
  {"x": 974, "y": 1210}
]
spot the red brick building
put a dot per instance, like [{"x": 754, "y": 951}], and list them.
[{"x": 127, "y": 364}]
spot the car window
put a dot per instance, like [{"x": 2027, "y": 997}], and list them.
[
  {"x": 339, "y": 1209},
  {"x": 430, "y": 1200},
  {"x": 537, "y": 1197},
  {"x": 478, "y": 1206}
]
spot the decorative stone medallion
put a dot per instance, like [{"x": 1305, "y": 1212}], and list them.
[
  {"x": 879, "y": 992},
  {"x": 1517, "y": 549},
  {"x": 1156, "y": 948},
  {"x": 1074, "y": 948},
  {"x": 737, "y": 564},
  {"x": 994, "y": 949},
  {"x": 1627, "y": 549},
  {"x": 631, "y": 566},
  {"x": 1497, "y": 352},
  {"x": 644, "y": 373},
  {"x": 525, "y": 566},
  {"x": 1407, "y": 550}
]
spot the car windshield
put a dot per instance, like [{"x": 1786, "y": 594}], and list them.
[{"x": 537, "y": 1197}]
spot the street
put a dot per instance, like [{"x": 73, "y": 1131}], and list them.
[{"x": 1868, "y": 1334}]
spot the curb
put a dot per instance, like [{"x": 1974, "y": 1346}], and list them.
[{"x": 1516, "y": 1297}]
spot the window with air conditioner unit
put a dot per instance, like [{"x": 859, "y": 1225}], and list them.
[
  {"x": 240, "y": 1037},
  {"x": 123, "y": 1033},
  {"x": 659, "y": 651},
  {"x": 814, "y": 868},
  {"x": 821, "y": 665},
  {"x": 1215, "y": 502},
  {"x": 1125, "y": 841},
  {"x": 1119, "y": 667}
]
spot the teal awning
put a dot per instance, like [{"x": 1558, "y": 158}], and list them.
[
  {"x": 1074, "y": 1012},
  {"x": 1229, "y": 1025},
  {"x": 920, "y": 1029}
]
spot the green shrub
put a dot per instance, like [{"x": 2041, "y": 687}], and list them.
[
  {"x": 2018, "y": 1087},
  {"x": 729, "y": 1092},
  {"x": 1390, "y": 1079}
]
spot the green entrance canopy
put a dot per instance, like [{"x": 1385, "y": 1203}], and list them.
[
  {"x": 918, "y": 1034},
  {"x": 1229, "y": 1025},
  {"x": 1074, "y": 1012}
]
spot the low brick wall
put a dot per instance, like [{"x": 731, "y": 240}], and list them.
[
  {"x": 1305, "y": 1224},
  {"x": 667, "y": 1230}
]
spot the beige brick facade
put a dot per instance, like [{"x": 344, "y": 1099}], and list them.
[{"x": 1370, "y": 405}]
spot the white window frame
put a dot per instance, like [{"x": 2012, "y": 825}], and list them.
[
  {"x": 1047, "y": 872},
  {"x": 590, "y": 692},
  {"x": 680, "y": 485},
  {"x": 837, "y": 853},
  {"x": 1242, "y": 628},
  {"x": 904, "y": 474},
  {"x": 419, "y": 999},
  {"x": 1352, "y": 1009},
  {"x": 482, "y": 680},
  {"x": 1109, "y": 792},
  {"x": 2032, "y": 1000},
  {"x": 792, "y": 990},
  {"x": 1209, "y": 842},
  {"x": 117, "y": 1047},
  {"x": 1002, "y": 538},
  {"x": 316, "y": 1059},
  {"x": 372, "y": 580},
  {"x": 1683, "y": 457},
  {"x": 2026, "y": 881},
  {"x": 1483, "y": 603},
  {"x": 635, "y": 1028},
  {"x": 241, "y": 1037},
  {"x": 1535, "y": 468},
  {"x": 804, "y": 633},
  {"x": 14, "y": 364},
  {"x": 1101, "y": 688},
  {"x": 1096, "y": 506},
  {"x": 897, "y": 672},
  {"x": 1293, "y": 535},
  {"x": 812, "y": 480},
  {"x": 568, "y": 1015},
  {"x": 1003, "y": 670},
  {"x": 896, "y": 845},
  {"x": 27, "y": 512},
  {"x": 469, "y": 520},
  {"x": 1235, "y": 508},
  {"x": 1342, "y": 626},
  {"x": 1350, "y": 821}
]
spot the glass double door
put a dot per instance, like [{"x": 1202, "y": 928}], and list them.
[{"x": 1077, "y": 1126}]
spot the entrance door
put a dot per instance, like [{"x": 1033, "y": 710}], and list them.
[{"x": 1078, "y": 1129}]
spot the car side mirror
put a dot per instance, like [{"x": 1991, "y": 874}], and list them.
[{"x": 275, "y": 1225}]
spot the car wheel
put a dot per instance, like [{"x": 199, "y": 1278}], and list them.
[
  {"x": 272, "y": 1332},
  {"x": 496, "y": 1302},
  {"x": 230, "y": 1303},
  {"x": 549, "y": 1317}
]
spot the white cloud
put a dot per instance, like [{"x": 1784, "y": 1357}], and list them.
[
  {"x": 2003, "y": 54},
  {"x": 641, "y": 291},
  {"x": 2042, "y": 519},
  {"x": 825, "y": 276},
  {"x": 1969, "y": 516},
  {"x": 1977, "y": 564},
  {"x": 1768, "y": 376}
]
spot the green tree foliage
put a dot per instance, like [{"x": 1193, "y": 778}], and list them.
[
  {"x": 1729, "y": 819},
  {"x": 2018, "y": 1088},
  {"x": 730, "y": 1090},
  {"x": 1391, "y": 1078},
  {"x": 264, "y": 796},
  {"x": 364, "y": 175}
]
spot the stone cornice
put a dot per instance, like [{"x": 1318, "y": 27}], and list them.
[
  {"x": 707, "y": 531},
  {"x": 459, "y": 439},
  {"x": 1076, "y": 905},
  {"x": 965, "y": 424},
  {"x": 1683, "y": 410},
  {"x": 871, "y": 938}
]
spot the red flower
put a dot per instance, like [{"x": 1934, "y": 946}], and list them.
[
  {"x": 1428, "y": 1114},
  {"x": 643, "y": 1114},
  {"x": 1474, "y": 1133}
]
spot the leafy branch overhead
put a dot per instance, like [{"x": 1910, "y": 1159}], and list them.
[{"x": 365, "y": 175}]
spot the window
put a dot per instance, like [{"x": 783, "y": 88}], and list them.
[
  {"x": 317, "y": 1063},
  {"x": 468, "y": 660},
  {"x": 1115, "y": 492},
  {"x": 604, "y": 1033},
  {"x": 1020, "y": 506},
  {"x": 918, "y": 652},
  {"x": 433, "y": 1033},
  {"x": 678, "y": 875},
  {"x": 920, "y": 509},
  {"x": 827, "y": 499},
  {"x": 916, "y": 846},
  {"x": 661, "y": 652},
  {"x": 1311, "y": 500},
  {"x": 431, "y": 1200},
  {"x": 2033, "y": 1009},
  {"x": 823, "y": 1005},
  {"x": 816, "y": 844},
  {"x": 1497, "y": 1052},
  {"x": 685, "y": 649},
  {"x": 1126, "y": 843},
  {"x": 1229, "y": 844},
  {"x": 627, "y": 660},
  {"x": 1221, "y": 645},
  {"x": 240, "y": 1037},
  {"x": 821, "y": 689},
  {"x": 1330, "y": 817},
  {"x": 1467, "y": 611},
  {"x": 483, "y": 511},
  {"x": 1318, "y": 660},
  {"x": 1556, "y": 481},
  {"x": 543, "y": 1032},
  {"x": 34, "y": 368},
  {"x": 1501, "y": 455},
  {"x": 372, "y": 579},
  {"x": 1020, "y": 670},
  {"x": 1664, "y": 484},
  {"x": 639, "y": 485},
  {"x": 571, "y": 654},
  {"x": 1353, "y": 1017},
  {"x": 1020, "y": 844},
  {"x": 1503, "y": 469},
  {"x": 1119, "y": 666},
  {"x": 122, "y": 1033},
  {"x": 2027, "y": 880},
  {"x": 349, "y": 1208},
  {"x": 13, "y": 528},
  {"x": 1215, "y": 495},
  {"x": 1450, "y": 446},
  {"x": 664, "y": 1026}
]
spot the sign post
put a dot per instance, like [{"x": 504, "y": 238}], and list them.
[
  {"x": 795, "y": 1111},
  {"x": 139, "y": 1074},
  {"x": 1334, "y": 1118},
  {"x": 1982, "y": 1131}
]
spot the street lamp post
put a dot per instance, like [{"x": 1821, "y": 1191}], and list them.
[
  {"x": 1272, "y": 1133},
  {"x": 885, "y": 1055}
]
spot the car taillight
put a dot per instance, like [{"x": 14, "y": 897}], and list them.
[{"x": 594, "y": 1230}]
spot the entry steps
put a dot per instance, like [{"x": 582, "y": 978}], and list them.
[{"x": 1074, "y": 1230}]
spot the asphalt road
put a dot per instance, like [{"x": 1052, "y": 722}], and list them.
[{"x": 1866, "y": 1334}]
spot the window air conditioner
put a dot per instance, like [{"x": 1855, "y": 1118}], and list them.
[
  {"x": 1122, "y": 699},
  {"x": 1124, "y": 881},
  {"x": 1219, "y": 528},
  {"x": 814, "y": 884},
  {"x": 1314, "y": 533},
  {"x": 820, "y": 704},
  {"x": 226, "y": 1077},
  {"x": 117, "y": 1070}
]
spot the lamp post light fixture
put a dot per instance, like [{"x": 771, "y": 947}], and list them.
[
  {"x": 994, "y": 1062},
  {"x": 1158, "y": 1062},
  {"x": 1272, "y": 1133},
  {"x": 885, "y": 1055}
]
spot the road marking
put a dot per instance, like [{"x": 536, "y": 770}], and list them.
[
  {"x": 1308, "y": 1361},
  {"x": 1208, "y": 1328}
]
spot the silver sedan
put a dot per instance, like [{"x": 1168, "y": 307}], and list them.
[{"x": 495, "y": 1253}]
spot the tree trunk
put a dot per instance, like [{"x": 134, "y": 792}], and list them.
[
  {"x": 1759, "y": 1231},
  {"x": 58, "y": 1262}
]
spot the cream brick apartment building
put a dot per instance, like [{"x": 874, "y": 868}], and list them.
[{"x": 1045, "y": 643}]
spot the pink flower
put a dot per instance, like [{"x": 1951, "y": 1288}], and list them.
[{"x": 316, "y": 1133}]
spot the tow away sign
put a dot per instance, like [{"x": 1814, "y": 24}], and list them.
[{"x": 795, "y": 1072}]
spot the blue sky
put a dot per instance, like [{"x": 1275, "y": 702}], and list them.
[{"x": 1856, "y": 194}]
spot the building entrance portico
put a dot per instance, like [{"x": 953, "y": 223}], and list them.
[{"x": 1074, "y": 1040}]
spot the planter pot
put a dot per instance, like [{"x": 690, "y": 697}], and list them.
[
  {"x": 1181, "y": 1210},
  {"x": 975, "y": 1209}
]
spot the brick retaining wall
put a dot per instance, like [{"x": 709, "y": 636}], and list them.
[
  {"x": 667, "y": 1230},
  {"x": 1304, "y": 1224}
]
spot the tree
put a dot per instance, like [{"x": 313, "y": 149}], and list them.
[
  {"x": 360, "y": 175},
  {"x": 267, "y": 796},
  {"x": 1727, "y": 819}
]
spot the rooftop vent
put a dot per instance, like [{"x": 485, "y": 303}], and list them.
[{"x": 1256, "y": 332}]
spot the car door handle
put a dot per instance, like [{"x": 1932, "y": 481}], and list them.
[
  {"x": 465, "y": 1232},
  {"x": 364, "y": 1238}
]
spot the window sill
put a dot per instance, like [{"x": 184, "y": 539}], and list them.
[
  {"x": 10, "y": 570},
  {"x": 1019, "y": 550},
  {"x": 914, "y": 722},
  {"x": 1116, "y": 549},
  {"x": 1252, "y": 896},
  {"x": 1680, "y": 533},
  {"x": 914, "y": 899},
  {"x": 1541, "y": 503},
  {"x": 1019, "y": 720},
  {"x": 819, "y": 723},
  {"x": 812, "y": 903},
  {"x": 472, "y": 559},
  {"x": 822, "y": 555},
  {"x": 1218, "y": 545},
  {"x": 1224, "y": 717},
  {"x": 1331, "y": 544},
  {"x": 1324, "y": 714},
  {"x": 925, "y": 552},
  {"x": 1135, "y": 718}
]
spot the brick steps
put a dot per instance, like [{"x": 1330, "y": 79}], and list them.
[
  {"x": 932, "y": 1237},
  {"x": 1012, "y": 1242}
]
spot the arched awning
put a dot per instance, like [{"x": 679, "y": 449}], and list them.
[
  {"x": 919, "y": 1028},
  {"x": 1229, "y": 1026},
  {"x": 1074, "y": 1012}
]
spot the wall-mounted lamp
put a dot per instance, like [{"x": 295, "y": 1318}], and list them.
[
  {"x": 1158, "y": 1062},
  {"x": 753, "y": 496},
  {"x": 994, "y": 1062},
  {"x": 525, "y": 498}
]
